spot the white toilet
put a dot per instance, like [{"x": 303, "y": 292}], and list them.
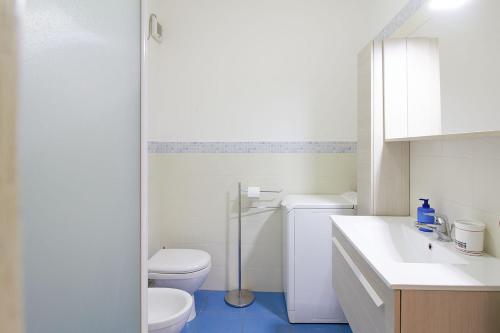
[
  {"x": 168, "y": 310},
  {"x": 183, "y": 269}
]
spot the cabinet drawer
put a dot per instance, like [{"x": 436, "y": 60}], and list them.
[{"x": 367, "y": 306}]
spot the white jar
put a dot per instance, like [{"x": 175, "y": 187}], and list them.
[{"x": 469, "y": 236}]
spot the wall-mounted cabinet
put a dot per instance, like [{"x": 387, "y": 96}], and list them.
[
  {"x": 441, "y": 70},
  {"x": 412, "y": 98}
]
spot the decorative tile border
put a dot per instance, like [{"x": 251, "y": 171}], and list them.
[
  {"x": 408, "y": 11},
  {"x": 259, "y": 147}
]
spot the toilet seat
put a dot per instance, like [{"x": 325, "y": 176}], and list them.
[
  {"x": 179, "y": 276},
  {"x": 178, "y": 261}
]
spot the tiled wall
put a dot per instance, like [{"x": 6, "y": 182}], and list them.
[
  {"x": 193, "y": 205},
  {"x": 462, "y": 179},
  {"x": 259, "y": 70},
  {"x": 279, "y": 76},
  {"x": 261, "y": 147}
]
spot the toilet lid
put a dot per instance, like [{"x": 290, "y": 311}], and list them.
[{"x": 178, "y": 261}]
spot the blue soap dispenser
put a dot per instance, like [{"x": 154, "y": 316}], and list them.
[{"x": 422, "y": 212}]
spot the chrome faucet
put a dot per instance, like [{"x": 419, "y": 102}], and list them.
[{"x": 441, "y": 226}]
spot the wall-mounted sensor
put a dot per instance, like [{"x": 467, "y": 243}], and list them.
[{"x": 155, "y": 28}]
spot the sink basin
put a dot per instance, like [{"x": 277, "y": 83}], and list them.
[
  {"x": 406, "y": 244},
  {"x": 406, "y": 258}
]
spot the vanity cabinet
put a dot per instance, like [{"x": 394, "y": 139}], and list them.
[
  {"x": 383, "y": 167},
  {"x": 372, "y": 307},
  {"x": 412, "y": 97}
]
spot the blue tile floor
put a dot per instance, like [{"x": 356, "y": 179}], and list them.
[{"x": 266, "y": 315}]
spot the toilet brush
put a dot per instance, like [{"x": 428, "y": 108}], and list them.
[{"x": 239, "y": 298}]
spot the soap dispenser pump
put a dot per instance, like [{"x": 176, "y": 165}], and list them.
[{"x": 424, "y": 213}]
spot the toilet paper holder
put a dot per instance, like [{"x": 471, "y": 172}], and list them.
[
  {"x": 241, "y": 298},
  {"x": 259, "y": 191}
]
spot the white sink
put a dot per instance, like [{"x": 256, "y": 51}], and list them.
[
  {"x": 406, "y": 258},
  {"x": 404, "y": 243}
]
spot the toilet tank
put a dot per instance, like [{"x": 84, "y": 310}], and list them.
[{"x": 307, "y": 252}]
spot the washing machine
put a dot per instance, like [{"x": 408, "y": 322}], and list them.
[{"x": 307, "y": 256}]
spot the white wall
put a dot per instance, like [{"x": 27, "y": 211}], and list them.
[
  {"x": 462, "y": 179},
  {"x": 259, "y": 70},
  {"x": 193, "y": 205},
  {"x": 79, "y": 154},
  {"x": 264, "y": 70}
]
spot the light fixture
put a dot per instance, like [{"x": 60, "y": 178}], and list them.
[{"x": 446, "y": 4}]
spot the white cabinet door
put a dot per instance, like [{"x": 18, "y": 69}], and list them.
[
  {"x": 412, "y": 95},
  {"x": 368, "y": 309},
  {"x": 424, "y": 94},
  {"x": 395, "y": 89}
]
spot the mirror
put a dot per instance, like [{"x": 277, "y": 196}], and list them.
[{"x": 442, "y": 71}]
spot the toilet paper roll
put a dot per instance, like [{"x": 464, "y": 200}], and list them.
[{"x": 253, "y": 192}]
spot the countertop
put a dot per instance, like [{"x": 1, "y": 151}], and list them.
[{"x": 397, "y": 252}]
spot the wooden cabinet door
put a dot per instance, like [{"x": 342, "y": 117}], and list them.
[
  {"x": 450, "y": 311},
  {"x": 10, "y": 299}
]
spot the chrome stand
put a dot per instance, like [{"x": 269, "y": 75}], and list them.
[{"x": 239, "y": 298}]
